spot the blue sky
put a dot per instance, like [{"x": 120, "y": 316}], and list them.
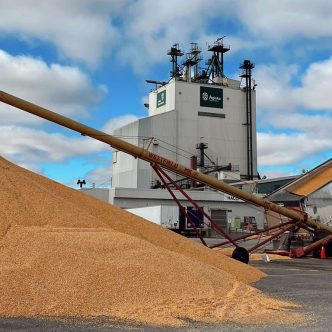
[{"x": 89, "y": 60}]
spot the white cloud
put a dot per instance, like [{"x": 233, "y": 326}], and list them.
[
  {"x": 140, "y": 31},
  {"x": 281, "y": 105},
  {"x": 239, "y": 44},
  {"x": 274, "y": 91},
  {"x": 64, "y": 89},
  {"x": 286, "y": 109},
  {"x": 284, "y": 149},
  {"x": 150, "y": 27},
  {"x": 28, "y": 146},
  {"x": 315, "y": 92},
  {"x": 21, "y": 144},
  {"x": 291, "y": 110},
  {"x": 283, "y": 20},
  {"x": 80, "y": 29},
  {"x": 317, "y": 126},
  {"x": 121, "y": 121},
  {"x": 101, "y": 177}
]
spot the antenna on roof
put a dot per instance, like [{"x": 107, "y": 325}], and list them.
[
  {"x": 175, "y": 52},
  {"x": 192, "y": 59},
  {"x": 157, "y": 83},
  {"x": 216, "y": 62}
]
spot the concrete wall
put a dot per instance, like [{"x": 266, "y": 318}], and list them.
[
  {"x": 127, "y": 198},
  {"x": 102, "y": 194},
  {"x": 130, "y": 172},
  {"x": 170, "y": 99},
  {"x": 125, "y": 166}
]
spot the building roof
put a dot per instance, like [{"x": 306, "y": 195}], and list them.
[
  {"x": 307, "y": 183},
  {"x": 313, "y": 180},
  {"x": 264, "y": 186}
]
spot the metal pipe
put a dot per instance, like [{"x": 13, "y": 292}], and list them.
[
  {"x": 276, "y": 234},
  {"x": 300, "y": 252},
  {"x": 251, "y": 175},
  {"x": 154, "y": 158},
  {"x": 244, "y": 237}
]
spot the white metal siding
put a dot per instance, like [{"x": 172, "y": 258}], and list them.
[{"x": 178, "y": 124}]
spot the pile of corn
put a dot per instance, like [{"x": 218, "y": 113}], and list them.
[{"x": 63, "y": 253}]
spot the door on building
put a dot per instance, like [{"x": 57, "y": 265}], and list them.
[{"x": 219, "y": 216}]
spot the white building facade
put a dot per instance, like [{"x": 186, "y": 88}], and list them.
[{"x": 181, "y": 116}]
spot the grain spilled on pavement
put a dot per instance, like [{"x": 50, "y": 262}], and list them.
[{"x": 63, "y": 253}]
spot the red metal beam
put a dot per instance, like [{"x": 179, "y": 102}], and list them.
[
  {"x": 158, "y": 170},
  {"x": 213, "y": 224},
  {"x": 243, "y": 237},
  {"x": 300, "y": 252},
  {"x": 287, "y": 228}
]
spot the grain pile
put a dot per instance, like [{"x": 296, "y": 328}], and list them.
[{"x": 63, "y": 253}]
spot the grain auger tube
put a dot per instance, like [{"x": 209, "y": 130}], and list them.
[{"x": 297, "y": 218}]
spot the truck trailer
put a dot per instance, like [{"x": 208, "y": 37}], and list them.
[{"x": 164, "y": 215}]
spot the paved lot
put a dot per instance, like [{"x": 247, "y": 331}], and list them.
[
  {"x": 246, "y": 244},
  {"x": 306, "y": 281}
]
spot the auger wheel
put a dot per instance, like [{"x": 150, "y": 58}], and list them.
[{"x": 241, "y": 254}]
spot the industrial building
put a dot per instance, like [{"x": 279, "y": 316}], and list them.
[
  {"x": 206, "y": 122},
  {"x": 204, "y": 219},
  {"x": 199, "y": 118},
  {"x": 311, "y": 192}
]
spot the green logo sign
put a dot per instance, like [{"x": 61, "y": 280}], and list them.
[
  {"x": 211, "y": 97},
  {"x": 161, "y": 98}
]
